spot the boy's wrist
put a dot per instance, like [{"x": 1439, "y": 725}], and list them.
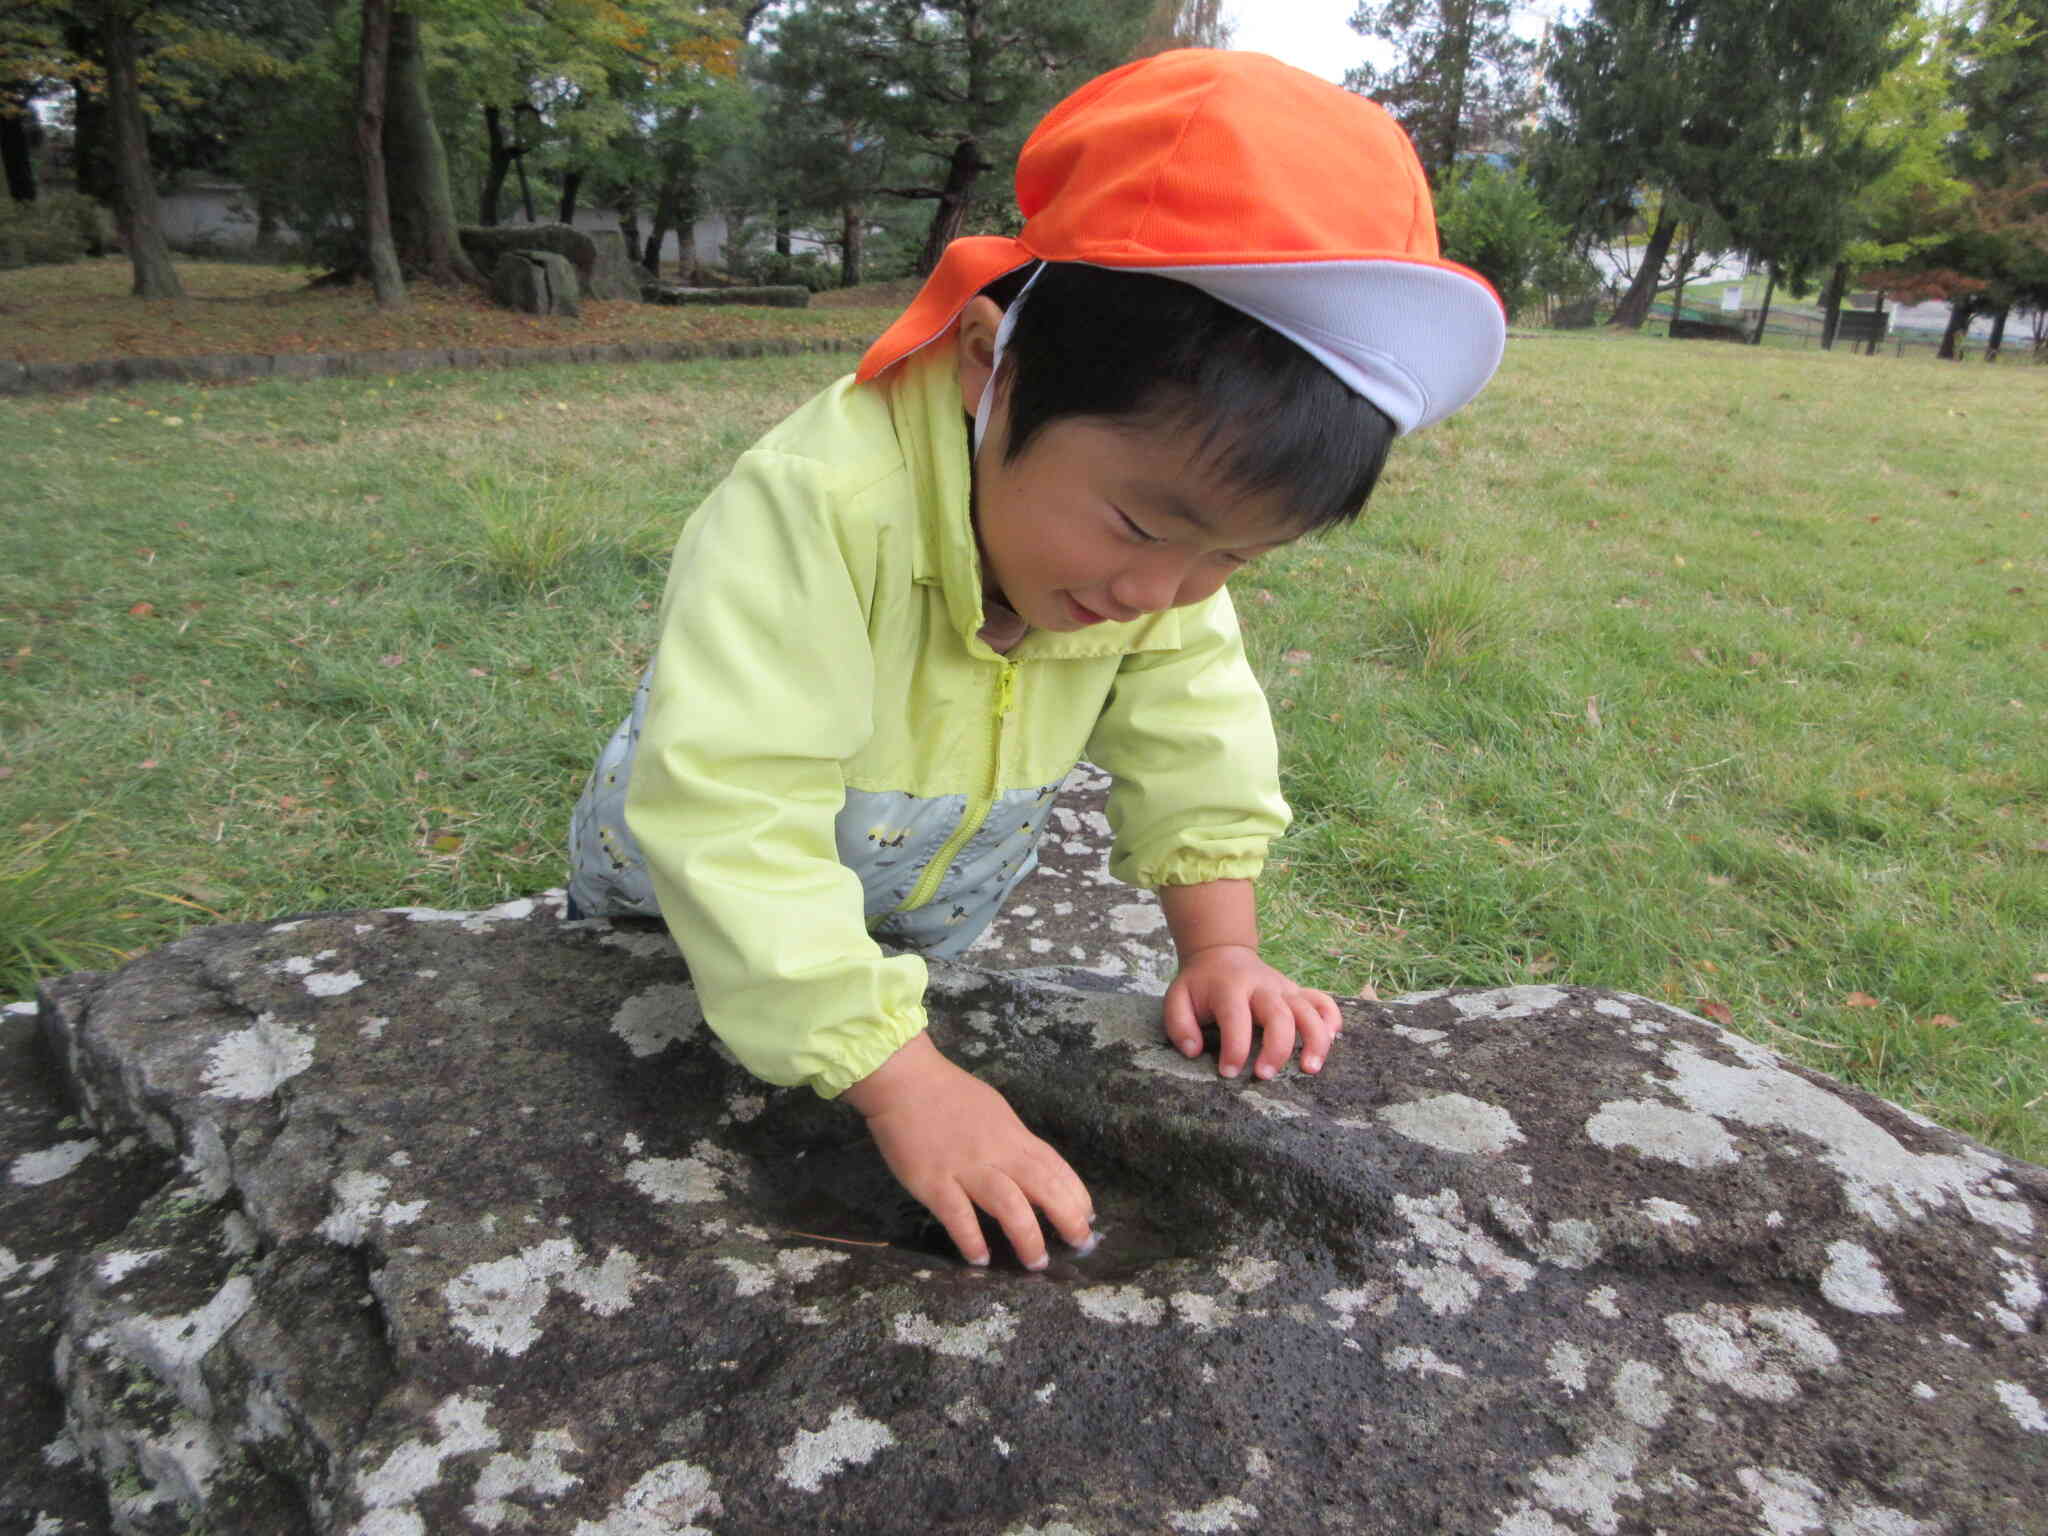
[
  {"x": 898, "y": 1078},
  {"x": 1217, "y": 914}
]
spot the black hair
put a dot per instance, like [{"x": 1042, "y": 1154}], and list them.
[{"x": 1144, "y": 350}]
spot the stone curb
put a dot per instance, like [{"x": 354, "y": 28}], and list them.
[{"x": 222, "y": 368}]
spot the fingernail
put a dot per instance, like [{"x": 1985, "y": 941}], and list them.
[
  {"x": 1189, "y": 1047},
  {"x": 1311, "y": 1063},
  {"x": 1039, "y": 1264},
  {"x": 1085, "y": 1247},
  {"x": 1228, "y": 1071},
  {"x": 980, "y": 1263},
  {"x": 1263, "y": 1070}
]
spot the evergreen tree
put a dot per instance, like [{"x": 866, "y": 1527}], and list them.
[
  {"x": 1724, "y": 103},
  {"x": 1463, "y": 81}
]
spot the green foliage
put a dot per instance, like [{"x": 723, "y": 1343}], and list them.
[
  {"x": 54, "y": 913},
  {"x": 57, "y": 227},
  {"x": 1491, "y": 219},
  {"x": 1462, "y": 80}
]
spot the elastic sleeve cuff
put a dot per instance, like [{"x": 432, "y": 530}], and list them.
[
  {"x": 1186, "y": 868},
  {"x": 861, "y": 1056}
]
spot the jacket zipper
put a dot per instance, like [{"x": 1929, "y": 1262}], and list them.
[{"x": 977, "y": 810}]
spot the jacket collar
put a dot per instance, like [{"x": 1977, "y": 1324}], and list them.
[{"x": 932, "y": 429}]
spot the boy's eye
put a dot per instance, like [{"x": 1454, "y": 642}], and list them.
[{"x": 1135, "y": 531}]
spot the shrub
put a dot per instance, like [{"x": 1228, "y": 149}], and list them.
[
  {"x": 1490, "y": 218},
  {"x": 808, "y": 270},
  {"x": 57, "y": 227}
]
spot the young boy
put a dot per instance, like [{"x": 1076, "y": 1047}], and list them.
[{"x": 892, "y": 630}]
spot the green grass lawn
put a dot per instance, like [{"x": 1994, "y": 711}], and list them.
[{"x": 1712, "y": 673}]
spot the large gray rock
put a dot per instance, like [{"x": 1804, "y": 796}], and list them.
[
  {"x": 535, "y": 283},
  {"x": 476, "y": 1229},
  {"x": 604, "y": 270}
]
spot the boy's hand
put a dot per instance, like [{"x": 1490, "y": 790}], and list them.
[
  {"x": 1232, "y": 985},
  {"x": 956, "y": 1144}
]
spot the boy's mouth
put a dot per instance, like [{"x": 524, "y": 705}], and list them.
[{"x": 1085, "y": 615}]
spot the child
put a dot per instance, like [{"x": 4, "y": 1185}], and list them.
[{"x": 889, "y": 634}]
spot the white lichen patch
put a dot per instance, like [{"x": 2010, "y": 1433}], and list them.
[
  {"x": 1882, "y": 1180},
  {"x": 1789, "y": 1504},
  {"x": 1120, "y": 1304},
  {"x": 1754, "y": 1352},
  {"x": 253, "y": 1063},
  {"x": 1136, "y": 918},
  {"x": 1690, "y": 1139},
  {"x": 539, "y": 1472},
  {"x": 1590, "y": 1484},
  {"x": 1638, "y": 1392},
  {"x": 2024, "y": 1407},
  {"x": 51, "y": 1163},
  {"x": 1228, "y": 1513},
  {"x": 664, "y": 1502},
  {"x": 1605, "y": 1300},
  {"x": 1669, "y": 1213},
  {"x": 497, "y": 1305},
  {"x": 1420, "y": 1036},
  {"x": 474, "y": 922},
  {"x": 1614, "y": 1008},
  {"x": 651, "y": 1021},
  {"x": 1508, "y": 1002},
  {"x": 1272, "y": 1109},
  {"x": 114, "y": 1267},
  {"x": 979, "y": 1340},
  {"x": 1465, "y": 1257},
  {"x": 1454, "y": 1122},
  {"x": 1199, "y": 1311},
  {"x": 1420, "y": 1362},
  {"x": 792, "y": 1266},
  {"x": 1525, "y": 1519},
  {"x": 1249, "y": 1274},
  {"x": 676, "y": 1180},
  {"x": 2022, "y": 1297},
  {"x": 847, "y": 1440},
  {"x": 1566, "y": 1364},
  {"x": 359, "y": 1205},
  {"x": 415, "y": 1465},
  {"x": 1853, "y": 1282},
  {"x": 332, "y": 983}
]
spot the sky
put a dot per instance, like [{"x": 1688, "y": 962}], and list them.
[{"x": 1309, "y": 34}]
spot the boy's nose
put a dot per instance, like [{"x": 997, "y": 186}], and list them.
[{"x": 1150, "y": 585}]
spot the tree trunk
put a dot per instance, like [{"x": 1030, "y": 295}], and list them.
[
  {"x": 1959, "y": 314},
  {"x": 14, "y": 147},
  {"x": 1634, "y": 307},
  {"x": 1878, "y": 330},
  {"x": 572, "y": 183},
  {"x": 853, "y": 230},
  {"x": 1454, "y": 61},
  {"x": 135, "y": 206},
  {"x": 525, "y": 189},
  {"x": 965, "y": 167},
  {"x": 422, "y": 203},
  {"x": 1831, "y": 305},
  {"x": 1678, "y": 292},
  {"x": 1763, "y": 315},
  {"x": 784, "y": 229},
  {"x": 496, "y": 169},
  {"x": 1998, "y": 319},
  {"x": 385, "y": 276}
]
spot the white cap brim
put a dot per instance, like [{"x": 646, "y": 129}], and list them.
[{"x": 1417, "y": 340}]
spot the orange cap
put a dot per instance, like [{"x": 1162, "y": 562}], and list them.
[{"x": 1278, "y": 193}]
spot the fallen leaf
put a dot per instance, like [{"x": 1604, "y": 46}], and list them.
[
  {"x": 1678, "y": 560},
  {"x": 394, "y": 659},
  {"x": 2040, "y": 847},
  {"x": 1298, "y": 658},
  {"x": 448, "y": 842},
  {"x": 1720, "y": 1013},
  {"x": 2041, "y": 977},
  {"x": 1593, "y": 710},
  {"x": 1719, "y": 880},
  {"x": 478, "y": 672},
  {"x": 1859, "y": 1000},
  {"x": 1543, "y": 964},
  {"x": 1698, "y": 655},
  {"x": 1944, "y": 1021},
  {"x": 1261, "y": 595},
  {"x": 147, "y": 762},
  {"x": 142, "y": 611},
  {"x": 1368, "y": 993}
]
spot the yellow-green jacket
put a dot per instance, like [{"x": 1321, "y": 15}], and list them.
[{"x": 823, "y": 755}]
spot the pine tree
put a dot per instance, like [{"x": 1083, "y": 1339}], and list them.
[{"x": 1464, "y": 80}]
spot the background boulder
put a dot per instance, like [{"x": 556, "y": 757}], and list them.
[
  {"x": 535, "y": 283},
  {"x": 603, "y": 268},
  {"x": 470, "y": 1225}
]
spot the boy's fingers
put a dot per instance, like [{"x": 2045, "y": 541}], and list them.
[
  {"x": 956, "y": 1214},
  {"x": 1234, "y": 1024},
  {"x": 1317, "y": 1018},
  {"x": 1276, "y": 1023},
  {"x": 1058, "y": 1191},
  {"x": 998, "y": 1194},
  {"x": 1182, "y": 1027}
]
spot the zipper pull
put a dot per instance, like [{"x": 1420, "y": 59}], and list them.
[{"x": 1006, "y": 689}]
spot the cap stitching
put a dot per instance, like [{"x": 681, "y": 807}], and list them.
[{"x": 1152, "y": 191}]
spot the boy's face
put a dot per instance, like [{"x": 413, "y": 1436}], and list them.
[{"x": 1100, "y": 521}]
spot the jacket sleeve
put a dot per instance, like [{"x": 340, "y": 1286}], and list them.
[
  {"x": 1188, "y": 740},
  {"x": 763, "y": 686}
]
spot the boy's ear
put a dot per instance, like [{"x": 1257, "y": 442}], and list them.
[{"x": 976, "y": 341}]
